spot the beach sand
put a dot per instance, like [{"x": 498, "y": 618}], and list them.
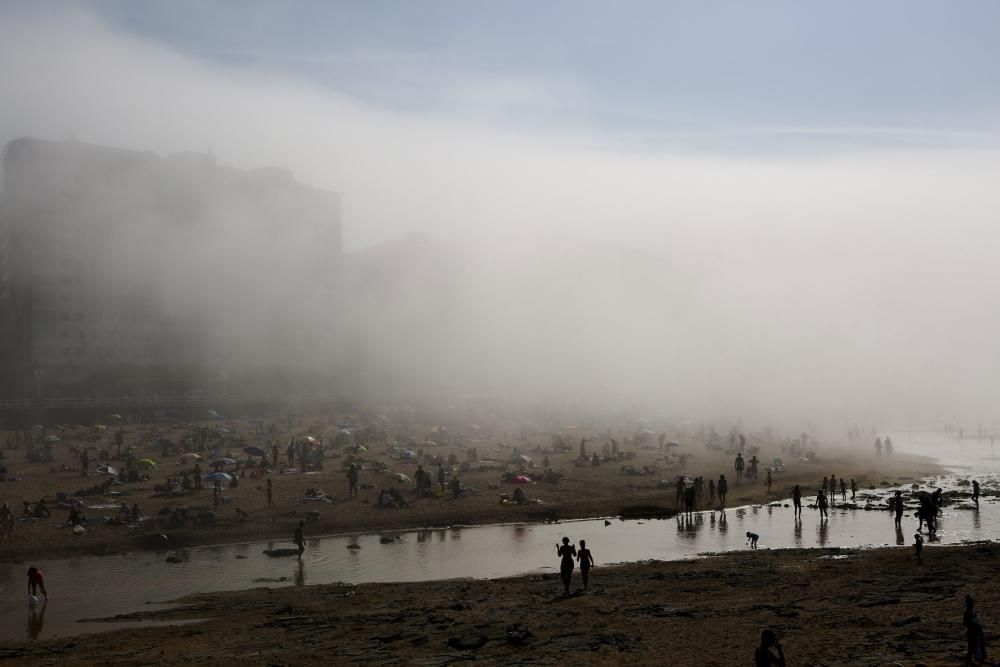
[{"x": 829, "y": 607}]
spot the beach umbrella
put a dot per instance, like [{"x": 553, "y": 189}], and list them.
[
  {"x": 309, "y": 440},
  {"x": 51, "y": 438},
  {"x": 146, "y": 463},
  {"x": 255, "y": 451},
  {"x": 222, "y": 429},
  {"x": 116, "y": 417},
  {"x": 521, "y": 479},
  {"x": 106, "y": 470},
  {"x": 429, "y": 443},
  {"x": 219, "y": 477},
  {"x": 190, "y": 457},
  {"x": 100, "y": 427},
  {"x": 400, "y": 477},
  {"x": 521, "y": 458},
  {"x": 212, "y": 414},
  {"x": 218, "y": 463},
  {"x": 344, "y": 432},
  {"x": 408, "y": 454}
]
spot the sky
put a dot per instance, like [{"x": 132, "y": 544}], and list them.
[{"x": 811, "y": 185}]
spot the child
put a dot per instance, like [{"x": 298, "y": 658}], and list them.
[
  {"x": 918, "y": 546},
  {"x": 36, "y": 583},
  {"x": 586, "y": 560},
  {"x": 752, "y": 539}
]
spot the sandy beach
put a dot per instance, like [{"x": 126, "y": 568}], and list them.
[
  {"x": 829, "y": 607},
  {"x": 585, "y": 490}
]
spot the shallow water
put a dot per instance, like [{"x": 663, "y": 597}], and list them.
[{"x": 94, "y": 587}]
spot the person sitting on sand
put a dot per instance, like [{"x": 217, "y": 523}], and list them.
[
  {"x": 763, "y": 656},
  {"x": 752, "y": 539}
]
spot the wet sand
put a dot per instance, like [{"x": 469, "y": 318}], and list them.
[
  {"x": 847, "y": 607},
  {"x": 587, "y": 491}
]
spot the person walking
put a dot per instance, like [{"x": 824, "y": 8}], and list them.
[
  {"x": 975, "y": 492},
  {"x": 586, "y": 560},
  {"x": 822, "y": 505},
  {"x": 36, "y": 583},
  {"x": 567, "y": 552},
  {"x": 721, "y": 488}
]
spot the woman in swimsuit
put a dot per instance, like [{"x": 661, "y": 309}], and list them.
[{"x": 567, "y": 551}]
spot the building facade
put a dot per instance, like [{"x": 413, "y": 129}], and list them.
[{"x": 124, "y": 271}]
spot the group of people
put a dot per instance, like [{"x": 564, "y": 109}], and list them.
[
  {"x": 569, "y": 555},
  {"x": 883, "y": 446}
]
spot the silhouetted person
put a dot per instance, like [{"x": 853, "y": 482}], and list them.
[
  {"x": 975, "y": 492},
  {"x": 843, "y": 490},
  {"x": 739, "y": 465},
  {"x": 887, "y": 446},
  {"x": 299, "y": 540},
  {"x": 36, "y": 582},
  {"x": 567, "y": 552},
  {"x": 918, "y": 546},
  {"x": 352, "y": 481},
  {"x": 678, "y": 491},
  {"x": 974, "y": 635},
  {"x": 752, "y": 539},
  {"x": 763, "y": 656},
  {"x": 586, "y": 560},
  {"x": 878, "y": 447},
  {"x": 797, "y": 501},
  {"x": 689, "y": 497},
  {"x": 897, "y": 505},
  {"x": 711, "y": 491},
  {"x": 822, "y": 505},
  {"x": 722, "y": 488},
  {"x": 854, "y": 489},
  {"x": 768, "y": 481}
]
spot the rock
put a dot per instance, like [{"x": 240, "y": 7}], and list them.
[
  {"x": 173, "y": 559},
  {"x": 467, "y": 642}
]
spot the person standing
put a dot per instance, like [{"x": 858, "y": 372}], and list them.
[
  {"x": 974, "y": 635},
  {"x": 768, "y": 481},
  {"x": 567, "y": 552},
  {"x": 797, "y": 501},
  {"x": 887, "y": 446},
  {"x": 352, "y": 481},
  {"x": 854, "y": 489},
  {"x": 975, "y": 492},
  {"x": 299, "y": 539},
  {"x": 739, "y": 465},
  {"x": 878, "y": 447},
  {"x": 843, "y": 490},
  {"x": 721, "y": 488},
  {"x": 711, "y": 491},
  {"x": 586, "y": 560}
]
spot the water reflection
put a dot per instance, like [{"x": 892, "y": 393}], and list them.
[
  {"x": 823, "y": 533},
  {"x": 723, "y": 527},
  {"x": 36, "y": 620},
  {"x": 797, "y": 531},
  {"x": 300, "y": 573},
  {"x": 900, "y": 539}
]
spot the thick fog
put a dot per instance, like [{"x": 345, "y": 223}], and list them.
[{"x": 854, "y": 282}]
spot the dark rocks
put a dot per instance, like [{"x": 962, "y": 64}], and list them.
[{"x": 467, "y": 642}]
